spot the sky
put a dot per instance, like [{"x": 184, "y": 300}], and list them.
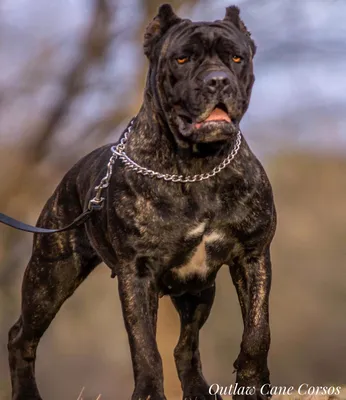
[{"x": 287, "y": 83}]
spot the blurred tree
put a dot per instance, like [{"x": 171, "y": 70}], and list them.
[{"x": 92, "y": 53}]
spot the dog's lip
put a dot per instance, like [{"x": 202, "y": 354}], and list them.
[
  {"x": 218, "y": 114},
  {"x": 188, "y": 123}
]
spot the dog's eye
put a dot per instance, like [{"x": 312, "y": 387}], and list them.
[
  {"x": 182, "y": 60},
  {"x": 236, "y": 59}
]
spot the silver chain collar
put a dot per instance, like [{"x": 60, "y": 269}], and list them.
[{"x": 119, "y": 152}]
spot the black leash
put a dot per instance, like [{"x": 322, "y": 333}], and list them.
[
  {"x": 80, "y": 220},
  {"x": 95, "y": 204}
]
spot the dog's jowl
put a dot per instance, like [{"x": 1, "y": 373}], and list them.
[{"x": 210, "y": 204}]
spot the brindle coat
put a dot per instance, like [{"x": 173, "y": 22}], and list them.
[{"x": 165, "y": 238}]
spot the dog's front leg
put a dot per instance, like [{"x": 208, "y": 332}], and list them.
[
  {"x": 194, "y": 310},
  {"x": 139, "y": 299},
  {"x": 252, "y": 279}
]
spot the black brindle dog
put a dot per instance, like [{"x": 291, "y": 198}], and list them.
[{"x": 161, "y": 236}]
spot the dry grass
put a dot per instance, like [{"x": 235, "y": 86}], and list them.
[{"x": 80, "y": 397}]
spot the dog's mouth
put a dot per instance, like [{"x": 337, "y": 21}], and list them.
[
  {"x": 214, "y": 124},
  {"x": 217, "y": 115}
]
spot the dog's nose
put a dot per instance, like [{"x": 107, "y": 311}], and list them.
[{"x": 217, "y": 81}]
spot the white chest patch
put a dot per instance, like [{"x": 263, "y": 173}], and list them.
[
  {"x": 197, "y": 230},
  {"x": 197, "y": 265}
]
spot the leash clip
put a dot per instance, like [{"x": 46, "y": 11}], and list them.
[{"x": 96, "y": 204}]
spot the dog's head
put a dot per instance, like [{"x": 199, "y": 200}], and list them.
[{"x": 200, "y": 74}]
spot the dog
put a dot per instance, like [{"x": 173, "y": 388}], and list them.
[{"x": 196, "y": 199}]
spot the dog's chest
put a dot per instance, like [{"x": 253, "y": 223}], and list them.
[
  {"x": 199, "y": 262},
  {"x": 188, "y": 239},
  {"x": 192, "y": 265}
]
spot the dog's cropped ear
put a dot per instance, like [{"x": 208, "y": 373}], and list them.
[
  {"x": 233, "y": 16},
  {"x": 165, "y": 19}
]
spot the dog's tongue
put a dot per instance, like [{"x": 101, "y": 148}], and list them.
[{"x": 216, "y": 115}]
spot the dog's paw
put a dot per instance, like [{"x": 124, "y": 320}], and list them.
[
  {"x": 252, "y": 381},
  {"x": 148, "y": 390},
  {"x": 32, "y": 395}
]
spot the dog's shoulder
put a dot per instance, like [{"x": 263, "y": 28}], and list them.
[{"x": 83, "y": 176}]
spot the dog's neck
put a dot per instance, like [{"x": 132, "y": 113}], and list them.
[{"x": 153, "y": 145}]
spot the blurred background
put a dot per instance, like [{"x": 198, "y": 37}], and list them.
[{"x": 72, "y": 75}]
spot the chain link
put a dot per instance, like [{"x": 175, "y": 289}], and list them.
[{"x": 119, "y": 152}]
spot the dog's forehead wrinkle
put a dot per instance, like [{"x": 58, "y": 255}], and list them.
[
  {"x": 190, "y": 31},
  {"x": 177, "y": 33},
  {"x": 206, "y": 39}
]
